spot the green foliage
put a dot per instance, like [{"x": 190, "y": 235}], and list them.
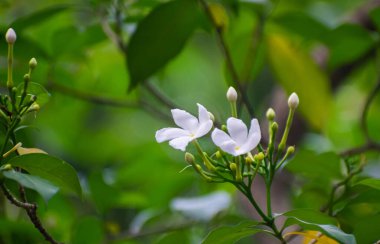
[
  {"x": 231, "y": 234},
  {"x": 43, "y": 187},
  {"x": 160, "y": 37},
  {"x": 50, "y": 168}
]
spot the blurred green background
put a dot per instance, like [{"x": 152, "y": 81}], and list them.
[{"x": 326, "y": 51}]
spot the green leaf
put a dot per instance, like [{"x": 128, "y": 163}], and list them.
[
  {"x": 37, "y": 17},
  {"x": 231, "y": 234},
  {"x": 312, "y": 165},
  {"x": 374, "y": 183},
  {"x": 36, "y": 89},
  {"x": 43, "y": 187},
  {"x": 350, "y": 37},
  {"x": 297, "y": 72},
  {"x": 160, "y": 37},
  {"x": 50, "y": 168},
  {"x": 314, "y": 220},
  {"x": 302, "y": 24}
]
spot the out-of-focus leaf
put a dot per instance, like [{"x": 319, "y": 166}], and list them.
[
  {"x": 43, "y": 187},
  {"x": 37, "y": 17},
  {"x": 312, "y": 165},
  {"x": 160, "y": 37},
  {"x": 375, "y": 17},
  {"x": 366, "y": 230},
  {"x": 71, "y": 41},
  {"x": 37, "y": 90},
  {"x": 296, "y": 72},
  {"x": 50, "y": 168},
  {"x": 374, "y": 183},
  {"x": 302, "y": 24},
  {"x": 231, "y": 234},
  {"x": 347, "y": 37},
  {"x": 314, "y": 220},
  {"x": 174, "y": 237},
  {"x": 88, "y": 230}
]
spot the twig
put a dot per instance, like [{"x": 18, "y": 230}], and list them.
[
  {"x": 229, "y": 61},
  {"x": 31, "y": 210},
  {"x": 159, "y": 95},
  {"x": 369, "y": 146},
  {"x": 366, "y": 107}
]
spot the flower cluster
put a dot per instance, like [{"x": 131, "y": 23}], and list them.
[{"x": 233, "y": 140}]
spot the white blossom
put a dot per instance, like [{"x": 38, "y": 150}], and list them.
[
  {"x": 239, "y": 140},
  {"x": 231, "y": 94},
  {"x": 10, "y": 36},
  {"x": 190, "y": 128}
]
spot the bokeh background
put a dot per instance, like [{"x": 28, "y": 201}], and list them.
[{"x": 326, "y": 51}]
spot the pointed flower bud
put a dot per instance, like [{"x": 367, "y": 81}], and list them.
[
  {"x": 270, "y": 114},
  {"x": 26, "y": 77},
  {"x": 33, "y": 63},
  {"x": 34, "y": 107},
  {"x": 233, "y": 167},
  {"x": 293, "y": 101},
  {"x": 10, "y": 36},
  {"x": 231, "y": 94}
]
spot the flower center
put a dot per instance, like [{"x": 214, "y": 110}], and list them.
[{"x": 237, "y": 148}]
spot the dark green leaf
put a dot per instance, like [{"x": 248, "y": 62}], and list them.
[
  {"x": 375, "y": 17},
  {"x": 347, "y": 43},
  {"x": 231, "y": 234},
  {"x": 312, "y": 165},
  {"x": 297, "y": 72},
  {"x": 314, "y": 220},
  {"x": 302, "y": 24},
  {"x": 37, "y": 17},
  {"x": 160, "y": 37},
  {"x": 50, "y": 168},
  {"x": 88, "y": 230},
  {"x": 43, "y": 187}
]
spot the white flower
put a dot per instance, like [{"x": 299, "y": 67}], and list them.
[
  {"x": 190, "y": 128},
  {"x": 293, "y": 100},
  {"x": 239, "y": 141}
]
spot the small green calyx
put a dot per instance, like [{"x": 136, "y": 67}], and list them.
[
  {"x": 32, "y": 63},
  {"x": 290, "y": 150},
  {"x": 259, "y": 157},
  {"x": 189, "y": 158},
  {"x": 233, "y": 167},
  {"x": 274, "y": 127}
]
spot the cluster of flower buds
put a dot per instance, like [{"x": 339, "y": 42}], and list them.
[
  {"x": 232, "y": 161},
  {"x": 17, "y": 102}
]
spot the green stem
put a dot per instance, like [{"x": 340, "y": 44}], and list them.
[
  {"x": 10, "y": 66},
  {"x": 284, "y": 138}
]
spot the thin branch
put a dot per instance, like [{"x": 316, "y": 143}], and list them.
[
  {"x": 228, "y": 57},
  {"x": 159, "y": 95},
  {"x": 366, "y": 107},
  {"x": 370, "y": 146},
  {"x": 31, "y": 210}
]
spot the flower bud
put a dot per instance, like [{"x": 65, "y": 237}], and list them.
[
  {"x": 274, "y": 127},
  {"x": 218, "y": 155},
  {"x": 34, "y": 107},
  {"x": 33, "y": 63},
  {"x": 224, "y": 128},
  {"x": 290, "y": 150},
  {"x": 33, "y": 98},
  {"x": 270, "y": 114},
  {"x": 258, "y": 157},
  {"x": 26, "y": 77},
  {"x": 10, "y": 36},
  {"x": 248, "y": 160},
  {"x": 233, "y": 167},
  {"x": 189, "y": 158},
  {"x": 6, "y": 167},
  {"x": 293, "y": 101},
  {"x": 231, "y": 94}
]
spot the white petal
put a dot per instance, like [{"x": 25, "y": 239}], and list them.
[
  {"x": 166, "y": 134},
  {"x": 237, "y": 130},
  {"x": 203, "y": 129},
  {"x": 203, "y": 114},
  {"x": 185, "y": 120},
  {"x": 180, "y": 143},
  {"x": 254, "y": 137},
  {"x": 224, "y": 141}
]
